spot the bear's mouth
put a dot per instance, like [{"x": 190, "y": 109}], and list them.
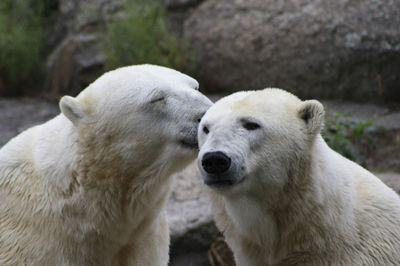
[
  {"x": 190, "y": 143},
  {"x": 219, "y": 182},
  {"x": 188, "y": 138}
]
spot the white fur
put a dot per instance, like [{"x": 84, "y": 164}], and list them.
[
  {"x": 89, "y": 186},
  {"x": 296, "y": 201}
]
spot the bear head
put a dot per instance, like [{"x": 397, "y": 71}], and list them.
[
  {"x": 254, "y": 140},
  {"x": 138, "y": 117}
]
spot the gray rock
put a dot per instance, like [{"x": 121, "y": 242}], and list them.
[
  {"x": 75, "y": 16},
  {"x": 190, "y": 259},
  {"x": 20, "y": 114},
  {"x": 178, "y": 12},
  {"x": 190, "y": 220},
  {"x": 390, "y": 121},
  {"x": 391, "y": 179},
  {"x": 180, "y": 4},
  {"x": 76, "y": 62},
  {"x": 76, "y": 38},
  {"x": 189, "y": 213},
  {"x": 343, "y": 49},
  {"x": 387, "y": 143}
]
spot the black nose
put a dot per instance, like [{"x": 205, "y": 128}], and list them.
[
  {"x": 198, "y": 119},
  {"x": 215, "y": 162}
]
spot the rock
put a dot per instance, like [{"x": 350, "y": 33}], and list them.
[
  {"x": 76, "y": 62},
  {"x": 75, "y": 16},
  {"x": 391, "y": 179},
  {"x": 77, "y": 58},
  {"x": 324, "y": 49},
  {"x": 180, "y": 4},
  {"x": 190, "y": 259},
  {"x": 177, "y": 12},
  {"x": 189, "y": 212},
  {"x": 20, "y": 114},
  {"x": 190, "y": 220},
  {"x": 385, "y": 154}
]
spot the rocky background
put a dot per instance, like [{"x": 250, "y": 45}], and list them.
[
  {"x": 347, "y": 49},
  {"x": 345, "y": 53}
]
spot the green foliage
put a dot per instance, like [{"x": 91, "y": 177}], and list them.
[
  {"x": 21, "y": 39},
  {"x": 342, "y": 133},
  {"x": 141, "y": 37}
]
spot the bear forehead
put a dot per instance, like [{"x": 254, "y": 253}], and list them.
[
  {"x": 162, "y": 75},
  {"x": 135, "y": 82},
  {"x": 145, "y": 76},
  {"x": 257, "y": 103}
]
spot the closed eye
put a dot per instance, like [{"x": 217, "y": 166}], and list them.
[
  {"x": 251, "y": 125},
  {"x": 159, "y": 99}
]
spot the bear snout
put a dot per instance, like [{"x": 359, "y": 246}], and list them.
[
  {"x": 188, "y": 135},
  {"x": 199, "y": 117},
  {"x": 215, "y": 163},
  {"x": 218, "y": 170}
]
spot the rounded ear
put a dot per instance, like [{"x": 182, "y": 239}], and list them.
[
  {"x": 157, "y": 95},
  {"x": 72, "y": 109},
  {"x": 312, "y": 113}
]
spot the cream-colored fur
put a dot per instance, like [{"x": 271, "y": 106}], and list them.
[
  {"x": 294, "y": 201},
  {"x": 89, "y": 186}
]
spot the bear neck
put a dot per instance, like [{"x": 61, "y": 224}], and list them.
[
  {"x": 112, "y": 173},
  {"x": 307, "y": 208},
  {"x": 102, "y": 179},
  {"x": 313, "y": 207}
]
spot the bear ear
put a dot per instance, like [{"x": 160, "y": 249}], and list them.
[
  {"x": 72, "y": 109},
  {"x": 312, "y": 113},
  {"x": 157, "y": 95}
]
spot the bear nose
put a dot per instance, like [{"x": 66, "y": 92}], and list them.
[
  {"x": 198, "y": 118},
  {"x": 215, "y": 162}
]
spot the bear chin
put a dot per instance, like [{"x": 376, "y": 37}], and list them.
[
  {"x": 188, "y": 137},
  {"x": 222, "y": 182},
  {"x": 219, "y": 183},
  {"x": 190, "y": 143}
]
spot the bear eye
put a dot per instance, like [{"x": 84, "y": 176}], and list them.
[
  {"x": 158, "y": 99},
  {"x": 205, "y": 130},
  {"x": 251, "y": 126}
]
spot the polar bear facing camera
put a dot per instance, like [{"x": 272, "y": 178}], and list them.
[
  {"x": 281, "y": 196},
  {"x": 88, "y": 187}
]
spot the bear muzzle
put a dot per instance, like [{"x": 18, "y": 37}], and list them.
[
  {"x": 189, "y": 133},
  {"x": 215, "y": 163},
  {"x": 190, "y": 143},
  {"x": 216, "y": 167}
]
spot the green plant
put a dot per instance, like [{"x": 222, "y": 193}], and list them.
[
  {"x": 141, "y": 36},
  {"x": 21, "y": 40},
  {"x": 342, "y": 134}
]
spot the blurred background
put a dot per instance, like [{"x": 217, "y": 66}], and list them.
[
  {"x": 345, "y": 53},
  {"x": 317, "y": 49}
]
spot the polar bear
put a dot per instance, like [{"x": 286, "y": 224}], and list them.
[
  {"x": 88, "y": 187},
  {"x": 281, "y": 196}
]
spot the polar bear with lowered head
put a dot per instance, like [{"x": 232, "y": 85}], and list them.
[
  {"x": 88, "y": 187},
  {"x": 281, "y": 196}
]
